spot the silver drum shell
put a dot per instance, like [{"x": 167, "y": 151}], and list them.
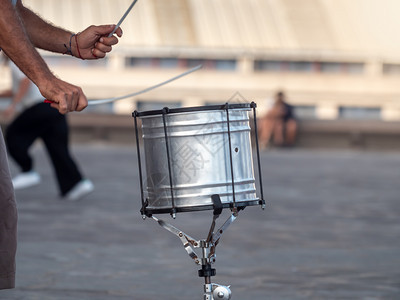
[{"x": 199, "y": 159}]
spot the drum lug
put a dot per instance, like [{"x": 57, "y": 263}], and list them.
[
  {"x": 143, "y": 210},
  {"x": 173, "y": 213}
]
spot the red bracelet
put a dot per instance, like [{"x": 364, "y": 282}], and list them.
[{"x": 77, "y": 47}]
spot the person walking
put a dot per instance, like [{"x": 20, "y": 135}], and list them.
[{"x": 39, "y": 120}]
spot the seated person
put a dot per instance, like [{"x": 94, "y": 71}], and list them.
[{"x": 279, "y": 124}]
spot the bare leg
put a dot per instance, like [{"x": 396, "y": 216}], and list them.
[
  {"x": 291, "y": 132},
  {"x": 278, "y": 133},
  {"x": 266, "y": 129}
]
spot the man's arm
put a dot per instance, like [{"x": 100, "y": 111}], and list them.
[
  {"x": 93, "y": 41},
  {"x": 16, "y": 44},
  {"x": 15, "y": 40},
  {"x": 42, "y": 34}
]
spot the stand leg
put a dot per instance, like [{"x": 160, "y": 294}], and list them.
[{"x": 212, "y": 291}]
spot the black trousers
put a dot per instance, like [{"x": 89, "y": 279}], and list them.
[{"x": 42, "y": 121}]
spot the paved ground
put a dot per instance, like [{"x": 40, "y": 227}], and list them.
[{"x": 331, "y": 231}]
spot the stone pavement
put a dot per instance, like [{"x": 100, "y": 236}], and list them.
[{"x": 331, "y": 230}]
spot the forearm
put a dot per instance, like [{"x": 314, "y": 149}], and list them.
[
  {"x": 19, "y": 44},
  {"x": 42, "y": 34},
  {"x": 15, "y": 42}
]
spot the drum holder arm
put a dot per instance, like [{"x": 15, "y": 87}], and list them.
[
  {"x": 187, "y": 241},
  {"x": 212, "y": 240}
]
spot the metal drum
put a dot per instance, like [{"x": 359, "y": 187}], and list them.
[{"x": 194, "y": 153}]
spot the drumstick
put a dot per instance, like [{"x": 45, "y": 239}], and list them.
[
  {"x": 123, "y": 17},
  {"x": 109, "y": 100},
  {"x": 102, "y": 101}
]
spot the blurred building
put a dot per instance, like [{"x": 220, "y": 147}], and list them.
[{"x": 335, "y": 59}]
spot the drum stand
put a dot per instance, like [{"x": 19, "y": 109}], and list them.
[{"x": 212, "y": 291}]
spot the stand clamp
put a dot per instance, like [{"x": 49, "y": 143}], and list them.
[{"x": 215, "y": 291}]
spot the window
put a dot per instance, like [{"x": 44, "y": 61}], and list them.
[
  {"x": 331, "y": 67},
  {"x": 354, "y": 68},
  {"x": 156, "y": 105},
  {"x": 267, "y": 65},
  {"x": 191, "y": 62},
  {"x": 282, "y": 66},
  {"x": 211, "y": 64},
  {"x": 172, "y": 62},
  {"x": 168, "y": 63},
  {"x": 299, "y": 66},
  {"x": 304, "y": 112},
  {"x": 359, "y": 113},
  {"x": 225, "y": 64},
  {"x": 140, "y": 62},
  {"x": 308, "y": 66},
  {"x": 391, "y": 69}
]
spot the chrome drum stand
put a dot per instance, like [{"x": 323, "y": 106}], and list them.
[{"x": 212, "y": 291}]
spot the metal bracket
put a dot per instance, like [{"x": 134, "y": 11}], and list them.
[
  {"x": 187, "y": 241},
  {"x": 190, "y": 243}
]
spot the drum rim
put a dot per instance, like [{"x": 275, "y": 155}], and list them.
[
  {"x": 182, "y": 209},
  {"x": 167, "y": 110}
]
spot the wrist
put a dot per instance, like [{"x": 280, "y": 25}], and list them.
[
  {"x": 40, "y": 74},
  {"x": 75, "y": 49},
  {"x": 68, "y": 45},
  {"x": 45, "y": 82}
]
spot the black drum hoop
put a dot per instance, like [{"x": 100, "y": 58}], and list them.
[
  {"x": 167, "y": 110},
  {"x": 241, "y": 204}
]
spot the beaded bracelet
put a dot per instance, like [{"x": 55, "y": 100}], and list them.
[{"x": 69, "y": 48}]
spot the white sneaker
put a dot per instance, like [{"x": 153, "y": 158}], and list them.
[
  {"x": 25, "y": 180},
  {"x": 81, "y": 189}
]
